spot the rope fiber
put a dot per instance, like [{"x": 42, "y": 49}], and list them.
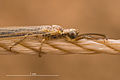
[{"x": 62, "y": 47}]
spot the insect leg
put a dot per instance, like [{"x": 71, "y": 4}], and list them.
[
  {"x": 18, "y": 42},
  {"x": 43, "y": 40}
]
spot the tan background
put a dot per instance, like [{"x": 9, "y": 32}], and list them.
[{"x": 100, "y": 16}]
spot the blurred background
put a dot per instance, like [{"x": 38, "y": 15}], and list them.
[{"x": 96, "y": 16}]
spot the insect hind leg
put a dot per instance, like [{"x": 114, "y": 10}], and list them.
[{"x": 16, "y": 43}]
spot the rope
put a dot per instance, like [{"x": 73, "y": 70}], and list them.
[{"x": 62, "y": 47}]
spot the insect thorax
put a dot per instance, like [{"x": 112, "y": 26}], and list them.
[
  {"x": 70, "y": 33},
  {"x": 49, "y": 36}
]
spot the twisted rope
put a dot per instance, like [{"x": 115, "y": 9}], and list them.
[{"x": 62, "y": 47}]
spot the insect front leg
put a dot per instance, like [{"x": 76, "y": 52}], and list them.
[
  {"x": 18, "y": 42},
  {"x": 69, "y": 39}
]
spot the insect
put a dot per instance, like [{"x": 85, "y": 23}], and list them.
[{"x": 47, "y": 33}]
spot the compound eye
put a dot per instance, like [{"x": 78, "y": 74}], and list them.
[{"x": 72, "y": 35}]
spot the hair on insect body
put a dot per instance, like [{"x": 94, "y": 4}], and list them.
[{"x": 48, "y": 33}]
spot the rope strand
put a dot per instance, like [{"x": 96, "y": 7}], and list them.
[{"x": 63, "y": 47}]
